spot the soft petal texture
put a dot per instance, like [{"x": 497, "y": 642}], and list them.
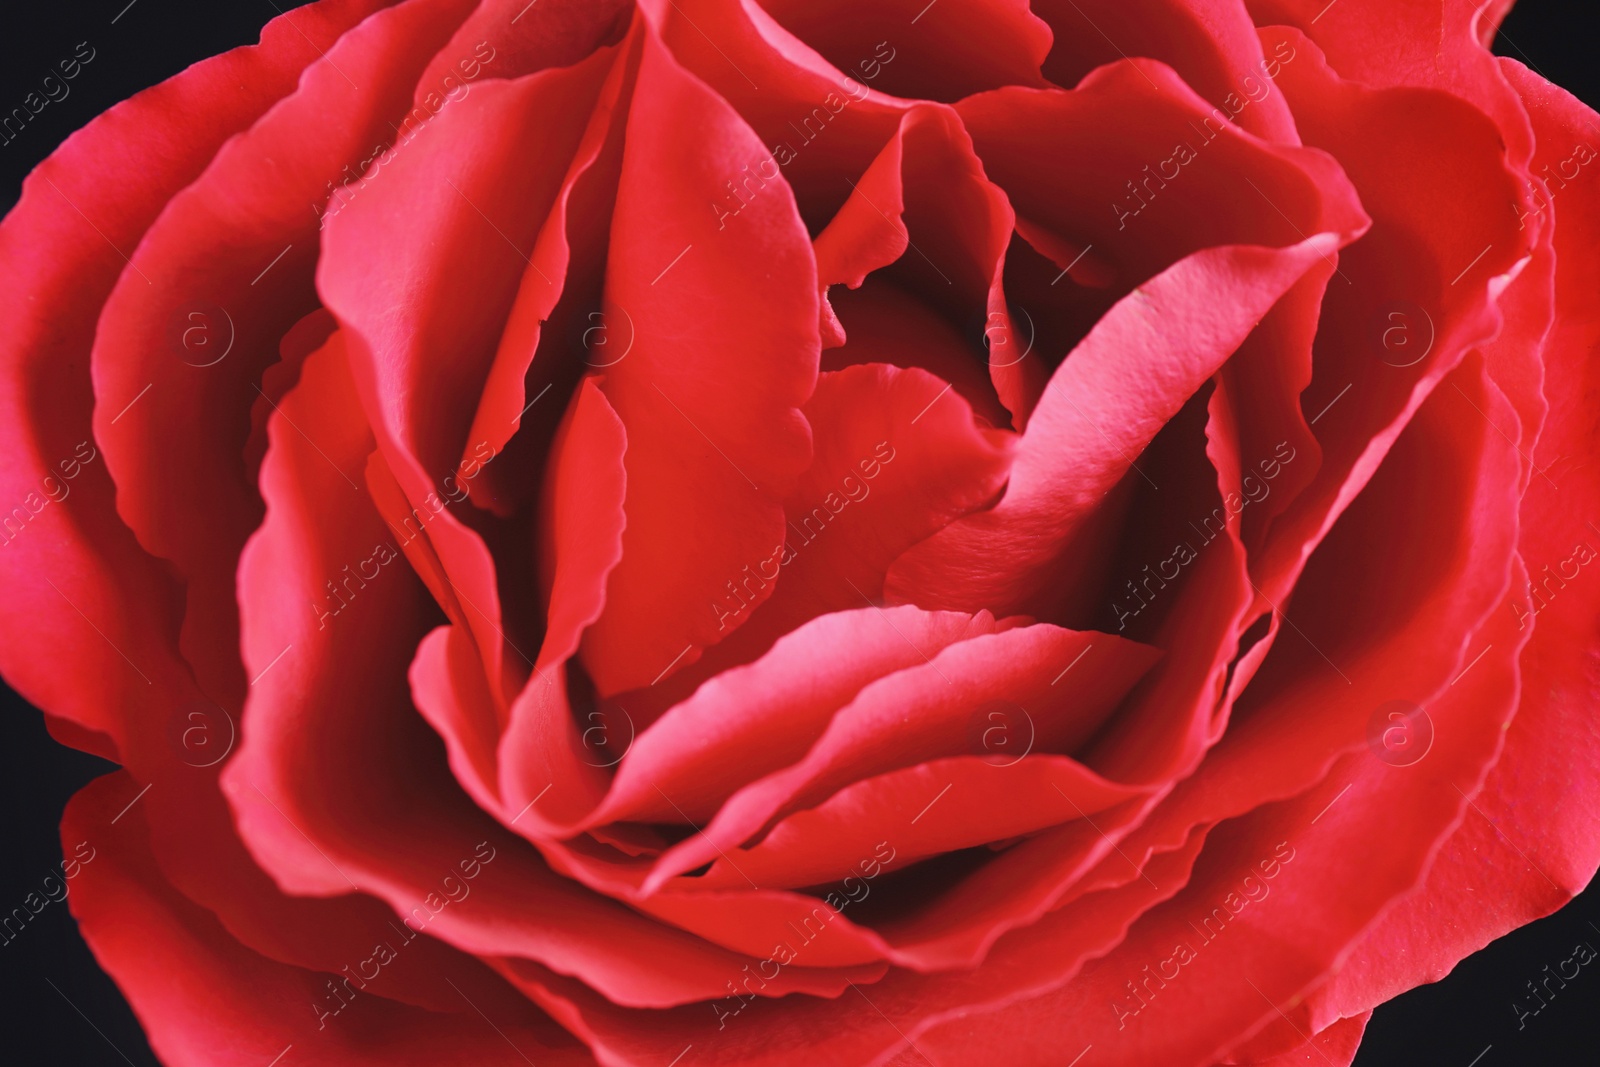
[
  {"x": 1334, "y": 1046},
  {"x": 522, "y": 39},
  {"x": 859, "y": 1028},
  {"x": 242, "y": 238},
  {"x": 105, "y": 581},
  {"x": 931, "y": 55},
  {"x": 317, "y": 806},
  {"x": 1211, "y": 43},
  {"x": 695, "y": 756},
  {"x": 1416, "y": 256},
  {"x": 927, "y": 192},
  {"x": 1100, "y": 404},
  {"x": 995, "y": 794},
  {"x": 207, "y": 1001},
  {"x": 544, "y": 744},
  {"x": 778, "y": 531},
  {"x": 711, "y": 417},
  {"x": 479, "y": 218},
  {"x": 899, "y": 456},
  {"x": 1432, "y": 43},
  {"x": 118, "y": 596},
  {"x": 1501, "y": 869},
  {"x": 823, "y": 126},
  {"x": 875, "y": 733}
]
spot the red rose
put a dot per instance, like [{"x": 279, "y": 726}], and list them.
[{"x": 710, "y": 533}]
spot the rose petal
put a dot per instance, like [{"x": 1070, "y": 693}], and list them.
[
  {"x": 1429, "y": 272},
  {"x": 760, "y": 717},
  {"x": 923, "y": 50},
  {"x": 1502, "y": 869},
  {"x": 823, "y": 126},
  {"x": 526, "y": 393},
  {"x": 584, "y": 522},
  {"x": 997, "y": 794},
  {"x": 421, "y": 368},
  {"x": 61, "y": 253},
  {"x": 928, "y": 191},
  {"x": 362, "y": 801},
  {"x": 897, "y": 459},
  {"x": 1125, "y": 161},
  {"x": 184, "y": 736},
  {"x": 1335, "y": 1046},
  {"x": 1288, "y": 927},
  {"x": 1009, "y": 669},
  {"x": 710, "y": 395},
  {"x": 206, "y": 1000},
  {"x": 1434, "y": 44},
  {"x": 1101, "y": 409},
  {"x": 237, "y": 246},
  {"x": 513, "y": 38},
  {"x": 1210, "y": 43},
  {"x": 859, "y": 1028}
]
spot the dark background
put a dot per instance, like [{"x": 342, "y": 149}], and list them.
[{"x": 84, "y": 1020}]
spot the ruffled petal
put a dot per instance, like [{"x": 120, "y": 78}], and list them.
[
  {"x": 1501, "y": 868},
  {"x": 1104, "y": 405},
  {"x": 76, "y": 577},
  {"x": 1210, "y": 43},
  {"x": 951, "y": 691},
  {"x": 205, "y": 1000},
  {"x": 237, "y": 248}
]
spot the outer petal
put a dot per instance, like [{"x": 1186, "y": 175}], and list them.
[
  {"x": 1333, "y": 1046},
  {"x": 1434, "y": 44},
  {"x": 1438, "y": 269},
  {"x": 236, "y": 248},
  {"x": 114, "y": 601},
  {"x": 205, "y": 1000},
  {"x": 1275, "y": 935},
  {"x": 1502, "y": 868},
  {"x": 869, "y": 1025},
  {"x": 62, "y": 250}
]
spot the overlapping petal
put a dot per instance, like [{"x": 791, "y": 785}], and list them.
[{"x": 756, "y": 530}]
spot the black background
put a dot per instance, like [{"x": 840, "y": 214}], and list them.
[{"x": 83, "y": 1020}]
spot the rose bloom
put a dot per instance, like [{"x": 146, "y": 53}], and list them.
[{"x": 804, "y": 532}]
